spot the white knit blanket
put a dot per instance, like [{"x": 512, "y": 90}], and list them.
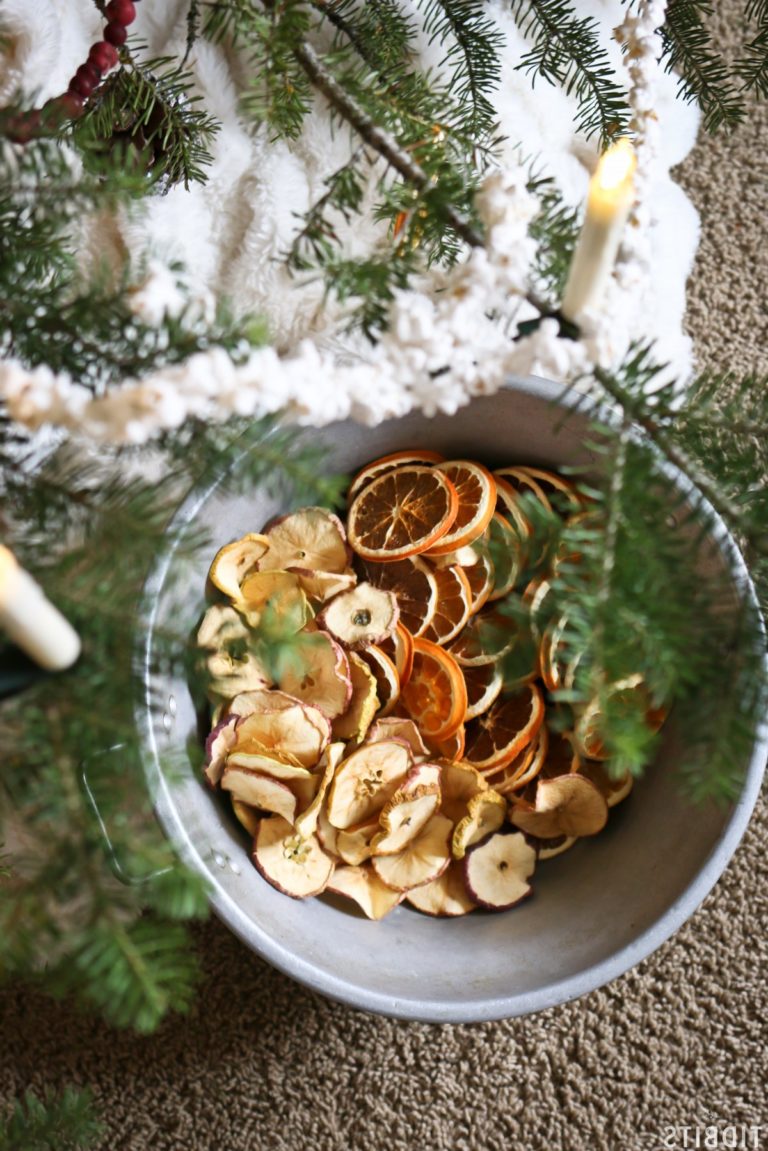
[{"x": 231, "y": 233}]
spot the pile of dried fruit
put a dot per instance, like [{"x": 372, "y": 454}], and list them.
[{"x": 390, "y": 759}]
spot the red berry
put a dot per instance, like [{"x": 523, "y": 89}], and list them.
[
  {"x": 71, "y": 105},
  {"x": 103, "y": 56},
  {"x": 121, "y": 11},
  {"x": 83, "y": 82},
  {"x": 115, "y": 34}
]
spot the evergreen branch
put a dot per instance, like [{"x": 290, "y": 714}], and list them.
[
  {"x": 753, "y": 68},
  {"x": 146, "y": 112},
  {"x": 704, "y": 76},
  {"x": 376, "y": 137},
  {"x": 63, "y": 1122},
  {"x": 474, "y": 55},
  {"x": 566, "y": 51}
]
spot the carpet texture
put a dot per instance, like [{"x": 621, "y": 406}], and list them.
[{"x": 679, "y": 1042}]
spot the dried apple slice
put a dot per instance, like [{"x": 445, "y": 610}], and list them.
[
  {"x": 365, "y": 781},
  {"x": 287, "y": 768},
  {"x": 221, "y": 625},
  {"x": 235, "y": 561},
  {"x": 293, "y": 863},
  {"x": 459, "y": 782},
  {"x": 486, "y": 812},
  {"x": 565, "y": 805},
  {"x": 614, "y": 790},
  {"x": 280, "y": 593},
  {"x": 387, "y": 680},
  {"x": 327, "y": 834},
  {"x": 497, "y": 871},
  {"x": 395, "y": 727},
  {"x": 261, "y": 791},
  {"x": 363, "y": 704},
  {"x": 300, "y": 732},
  {"x": 322, "y": 677},
  {"x": 550, "y": 848},
  {"x": 354, "y": 844},
  {"x": 218, "y": 745},
  {"x": 425, "y": 857},
  {"x": 363, "y": 616},
  {"x": 311, "y": 538},
  {"x": 364, "y": 886},
  {"x": 409, "y": 809},
  {"x": 229, "y": 677},
  {"x": 322, "y": 586},
  {"x": 446, "y": 896},
  {"x": 246, "y": 815},
  {"x": 306, "y": 822}
]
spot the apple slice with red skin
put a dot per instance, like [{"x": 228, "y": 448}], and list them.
[
  {"x": 218, "y": 745},
  {"x": 360, "y": 617},
  {"x": 365, "y": 781},
  {"x": 260, "y": 791},
  {"x": 446, "y": 896},
  {"x": 364, "y": 886},
  {"x": 425, "y": 857},
  {"x": 321, "y": 675},
  {"x": 311, "y": 537},
  {"x": 354, "y": 722},
  {"x": 293, "y": 863},
  {"x": 486, "y": 811},
  {"x": 498, "y": 869},
  {"x": 564, "y": 805},
  {"x": 409, "y": 809}
]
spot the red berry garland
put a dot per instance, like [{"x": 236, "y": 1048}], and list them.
[{"x": 102, "y": 57}]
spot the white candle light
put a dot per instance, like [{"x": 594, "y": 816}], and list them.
[
  {"x": 31, "y": 620},
  {"x": 611, "y": 192}
]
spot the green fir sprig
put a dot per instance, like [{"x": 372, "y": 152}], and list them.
[{"x": 51, "y": 1122}]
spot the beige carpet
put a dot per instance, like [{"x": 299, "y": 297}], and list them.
[{"x": 678, "y": 1042}]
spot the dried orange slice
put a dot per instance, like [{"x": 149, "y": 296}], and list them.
[
  {"x": 454, "y": 605},
  {"x": 452, "y": 748},
  {"x": 550, "y": 483},
  {"x": 522, "y": 480},
  {"x": 509, "y": 725},
  {"x": 388, "y": 463},
  {"x": 481, "y": 578},
  {"x": 399, "y": 648},
  {"x": 484, "y": 683},
  {"x": 507, "y": 555},
  {"x": 414, "y": 584},
  {"x": 402, "y": 513},
  {"x": 476, "y": 489},
  {"x": 435, "y": 696}
]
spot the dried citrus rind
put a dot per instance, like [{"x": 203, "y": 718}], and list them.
[
  {"x": 435, "y": 696},
  {"x": 454, "y": 605},
  {"x": 388, "y": 463},
  {"x": 476, "y": 491},
  {"x": 509, "y": 725}
]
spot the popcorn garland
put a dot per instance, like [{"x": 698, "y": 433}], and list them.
[{"x": 445, "y": 342}]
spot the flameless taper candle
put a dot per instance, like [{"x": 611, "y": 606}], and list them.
[
  {"x": 611, "y": 192},
  {"x": 31, "y": 620}
]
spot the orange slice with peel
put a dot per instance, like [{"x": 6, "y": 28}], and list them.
[
  {"x": 388, "y": 463},
  {"x": 481, "y": 578},
  {"x": 413, "y": 582},
  {"x": 435, "y": 696},
  {"x": 399, "y": 648},
  {"x": 506, "y": 552},
  {"x": 484, "y": 683},
  {"x": 454, "y": 605},
  {"x": 509, "y": 725},
  {"x": 476, "y": 489},
  {"x": 401, "y": 513},
  {"x": 451, "y": 748}
]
